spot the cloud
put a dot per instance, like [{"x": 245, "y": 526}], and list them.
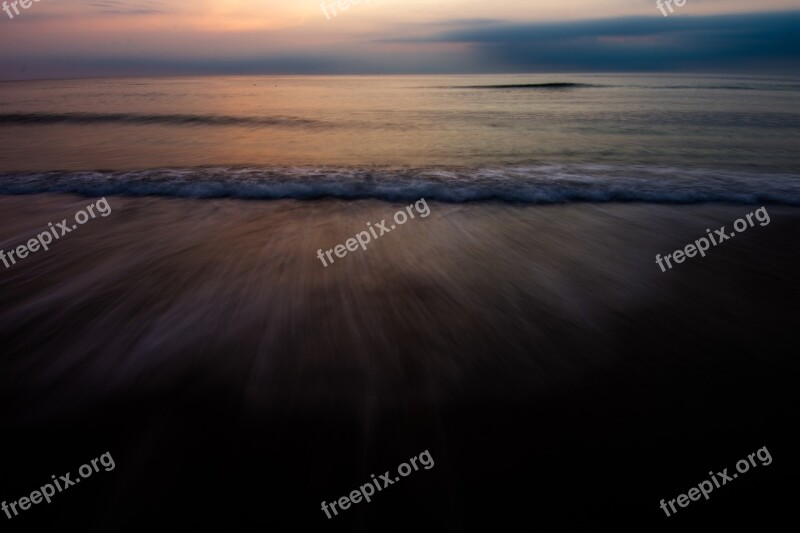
[
  {"x": 765, "y": 41},
  {"x": 755, "y": 42},
  {"x": 142, "y": 7}
]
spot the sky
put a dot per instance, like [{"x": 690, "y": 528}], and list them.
[{"x": 96, "y": 38}]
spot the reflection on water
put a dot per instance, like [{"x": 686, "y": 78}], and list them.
[{"x": 398, "y": 120}]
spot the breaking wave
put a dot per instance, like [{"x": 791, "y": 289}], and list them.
[{"x": 532, "y": 184}]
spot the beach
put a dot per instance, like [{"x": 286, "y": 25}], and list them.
[
  {"x": 258, "y": 293},
  {"x": 556, "y": 375}
]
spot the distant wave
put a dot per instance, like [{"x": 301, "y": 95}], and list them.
[
  {"x": 533, "y": 184},
  {"x": 134, "y": 118},
  {"x": 558, "y": 85},
  {"x": 570, "y": 85},
  {"x": 760, "y": 87}
]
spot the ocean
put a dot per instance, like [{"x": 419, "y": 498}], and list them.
[
  {"x": 531, "y": 139},
  {"x": 522, "y": 333}
]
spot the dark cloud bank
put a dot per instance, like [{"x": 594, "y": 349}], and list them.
[{"x": 755, "y": 43}]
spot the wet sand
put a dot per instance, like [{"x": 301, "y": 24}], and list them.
[{"x": 556, "y": 375}]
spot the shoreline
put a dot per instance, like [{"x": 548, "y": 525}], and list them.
[{"x": 536, "y": 351}]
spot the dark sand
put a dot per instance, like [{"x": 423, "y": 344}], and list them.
[{"x": 556, "y": 375}]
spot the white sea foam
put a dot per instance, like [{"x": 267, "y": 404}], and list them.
[{"x": 534, "y": 184}]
